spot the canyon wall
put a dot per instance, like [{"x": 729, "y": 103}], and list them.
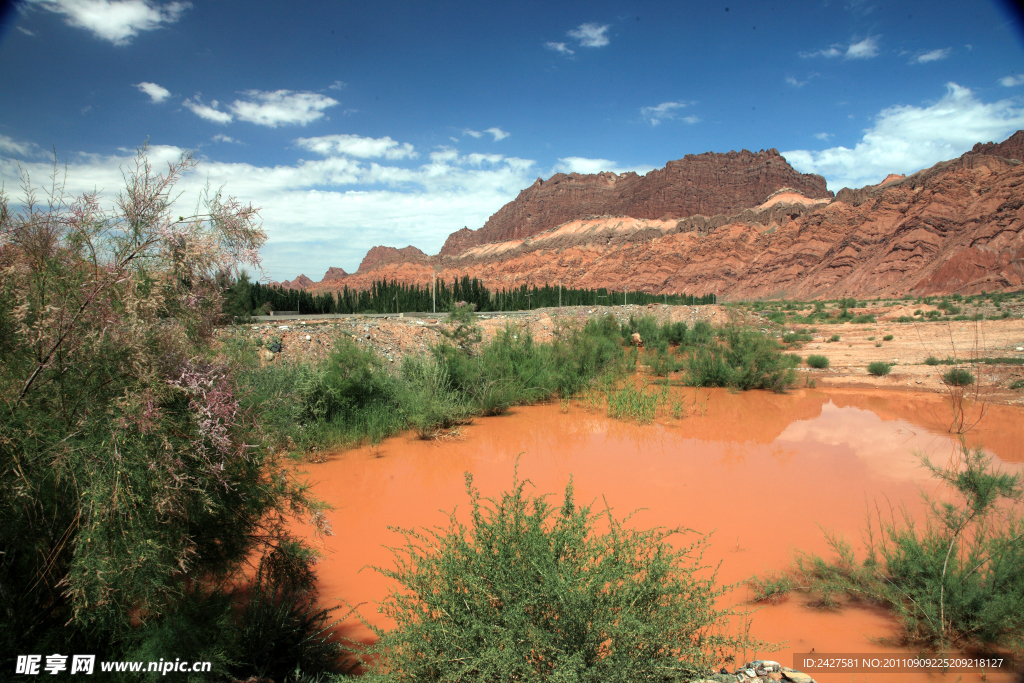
[
  {"x": 955, "y": 227},
  {"x": 705, "y": 184}
]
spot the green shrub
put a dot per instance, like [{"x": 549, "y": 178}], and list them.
[
  {"x": 772, "y": 587},
  {"x": 353, "y": 378},
  {"x": 632, "y": 403},
  {"x": 674, "y": 333},
  {"x": 533, "y": 592},
  {"x": 133, "y": 475},
  {"x": 888, "y": 337},
  {"x": 956, "y": 580},
  {"x": 661, "y": 359},
  {"x": 462, "y": 327},
  {"x": 749, "y": 360},
  {"x": 958, "y": 377},
  {"x": 879, "y": 368},
  {"x": 432, "y": 405},
  {"x": 1017, "y": 384},
  {"x": 818, "y": 361},
  {"x": 904, "y": 319},
  {"x": 834, "y": 338}
]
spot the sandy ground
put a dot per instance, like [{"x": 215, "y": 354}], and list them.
[
  {"x": 394, "y": 337},
  {"x": 912, "y": 343}
]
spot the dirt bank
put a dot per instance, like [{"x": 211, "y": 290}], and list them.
[{"x": 859, "y": 344}]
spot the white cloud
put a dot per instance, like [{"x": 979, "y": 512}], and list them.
[
  {"x": 209, "y": 112},
  {"x": 20, "y": 150},
  {"x": 559, "y": 47},
  {"x": 907, "y": 138},
  {"x": 115, "y": 20},
  {"x": 498, "y": 133},
  {"x": 281, "y": 107},
  {"x": 25, "y": 31},
  {"x": 828, "y": 52},
  {"x": 590, "y": 35},
  {"x": 327, "y": 212},
  {"x": 155, "y": 92},
  {"x": 355, "y": 146},
  {"x": 824, "y": 136},
  {"x": 590, "y": 166},
  {"x": 220, "y": 137},
  {"x": 1010, "y": 81},
  {"x": 933, "y": 56},
  {"x": 793, "y": 81},
  {"x": 664, "y": 111},
  {"x": 863, "y": 49},
  {"x": 337, "y": 85}
]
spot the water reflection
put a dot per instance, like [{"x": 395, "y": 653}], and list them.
[{"x": 765, "y": 472}]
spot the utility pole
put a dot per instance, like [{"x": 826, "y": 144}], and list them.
[
  {"x": 559, "y": 293},
  {"x": 433, "y": 288},
  {"x": 624, "y": 290}
]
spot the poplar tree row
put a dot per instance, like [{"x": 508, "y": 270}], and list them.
[{"x": 245, "y": 297}]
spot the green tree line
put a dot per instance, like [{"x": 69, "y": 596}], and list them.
[{"x": 245, "y": 297}]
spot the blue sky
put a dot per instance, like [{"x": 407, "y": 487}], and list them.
[{"x": 357, "y": 124}]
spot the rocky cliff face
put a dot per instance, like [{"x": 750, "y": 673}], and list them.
[
  {"x": 1010, "y": 148},
  {"x": 705, "y": 184},
  {"x": 334, "y": 274},
  {"x": 956, "y": 227},
  {"x": 381, "y": 255},
  {"x": 301, "y": 282}
]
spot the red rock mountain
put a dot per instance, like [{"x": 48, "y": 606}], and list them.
[
  {"x": 1011, "y": 148},
  {"x": 704, "y": 184},
  {"x": 957, "y": 226},
  {"x": 381, "y": 255}
]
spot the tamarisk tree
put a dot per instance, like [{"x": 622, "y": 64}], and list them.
[{"x": 131, "y": 481}]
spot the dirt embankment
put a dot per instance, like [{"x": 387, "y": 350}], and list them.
[{"x": 859, "y": 344}]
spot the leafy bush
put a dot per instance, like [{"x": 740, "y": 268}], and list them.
[
  {"x": 879, "y": 368},
  {"x": 432, "y": 405},
  {"x": 133, "y": 479},
  {"x": 749, "y": 360},
  {"x": 888, "y": 337},
  {"x": 772, "y": 587},
  {"x": 1017, "y": 384},
  {"x": 817, "y": 361},
  {"x": 959, "y": 579},
  {"x": 674, "y": 333},
  {"x": 462, "y": 327},
  {"x": 353, "y": 378},
  {"x": 834, "y": 338},
  {"x": 958, "y": 377},
  {"x": 528, "y": 591}
]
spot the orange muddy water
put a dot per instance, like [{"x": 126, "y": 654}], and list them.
[{"x": 764, "y": 472}]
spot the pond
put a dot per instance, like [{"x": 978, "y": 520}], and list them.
[{"x": 766, "y": 473}]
